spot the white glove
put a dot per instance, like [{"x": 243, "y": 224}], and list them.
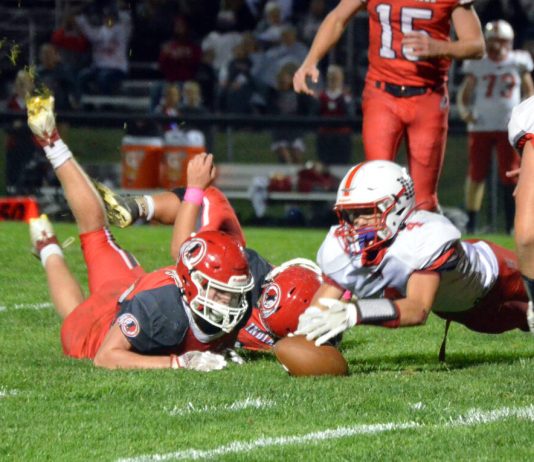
[
  {"x": 324, "y": 324},
  {"x": 204, "y": 361}
]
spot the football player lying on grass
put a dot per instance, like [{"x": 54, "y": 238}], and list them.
[
  {"x": 180, "y": 316},
  {"x": 521, "y": 135},
  {"x": 400, "y": 263},
  {"x": 280, "y": 294}
]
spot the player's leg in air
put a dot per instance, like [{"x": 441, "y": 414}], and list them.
[
  {"x": 215, "y": 212},
  {"x": 105, "y": 260}
]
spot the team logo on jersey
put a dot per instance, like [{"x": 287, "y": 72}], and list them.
[
  {"x": 193, "y": 251},
  {"x": 270, "y": 299},
  {"x": 129, "y": 324}
]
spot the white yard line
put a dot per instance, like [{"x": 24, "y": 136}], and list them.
[
  {"x": 190, "y": 408},
  {"x": 26, "y": 306},
  {"x": 5, "y": 393},
  {"x": 472, "y": 417}
]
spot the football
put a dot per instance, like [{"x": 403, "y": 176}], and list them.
[{"x": 300, "y": 357}]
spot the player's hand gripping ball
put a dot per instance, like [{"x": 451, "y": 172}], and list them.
[{"x": 300, "y": 357}]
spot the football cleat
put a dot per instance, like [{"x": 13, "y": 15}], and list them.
[
  {"x": 41, "y": 234},
  {"x": 121, "y": 211},
  {"x": 41, "y": 119}
]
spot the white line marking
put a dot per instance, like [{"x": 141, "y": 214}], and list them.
[
  {"x": 4, "y": 393},
  {"x": 26, "y": 306},
  {"x": 255, "y": 403},
  {"x": 472, "y": 417}
]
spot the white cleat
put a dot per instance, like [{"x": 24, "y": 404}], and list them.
[
  {"x": 41, "y": 119},
  {"x": 41, "y": 234}
]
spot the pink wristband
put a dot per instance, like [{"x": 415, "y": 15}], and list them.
[{"x": 194, "y": 195}]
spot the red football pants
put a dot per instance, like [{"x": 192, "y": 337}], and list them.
[
  {"x": 110, "y": 270},
  {"x": 504, "y": 307},
  {"x": 480, "y": 149},
  {"x": 423, "y": 121}
]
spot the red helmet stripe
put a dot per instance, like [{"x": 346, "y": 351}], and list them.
[{"x": 350, "y": 178}]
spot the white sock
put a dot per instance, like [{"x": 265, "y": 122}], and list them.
[
  {"x": 50, "y": 249},
  {"x": 58, "y": 153},
  {"x": 150, "y": 207}
]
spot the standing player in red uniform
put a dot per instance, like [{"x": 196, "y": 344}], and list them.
[
  {"x": 405, "y": 93},
  {"x": 174, "y": 317}
]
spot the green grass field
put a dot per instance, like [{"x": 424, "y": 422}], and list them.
[{"x": 399, "y": 403}]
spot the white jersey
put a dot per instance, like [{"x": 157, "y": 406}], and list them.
[
  {"x": 109, "y": 44},
  {"x": 522, "y": 121},
  {"x": 429, "y": 241},
  {"x": 497, "y": 89}
]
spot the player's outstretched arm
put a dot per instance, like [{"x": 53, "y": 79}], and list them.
[
  {"x": 327, "y": 36},
  {"x": 200, "y": 174},
  {"x": 527, "y": 85},
  {"x": 116, "y": 353},
  {"x": 469, "y": 44}
]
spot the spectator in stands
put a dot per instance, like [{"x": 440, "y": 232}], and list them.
[
  {"x": 290, "y": 50},
  {"x": 207, "y": 78},
  {"x": 334, "y": 144},
  {"x": 287, "y": 143},
  {"x": 236, "y": 82},
  {"x": 169, "y": 105},
  {"x": 24, "y": 172},
  {"x": 192, "y": 105},
  {"x": 269, "y": 29},
  {"x": 180, "y": 57},
  {"x": 223, "y": 39},
  {"x": 52, "y": 74},
  {"x": 310, "y": 22},
  {"x": 72, "y": 46},
  {"x": 109, "y": 40}
]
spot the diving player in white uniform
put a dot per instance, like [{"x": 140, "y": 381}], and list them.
[
  {"x": 400, "y": 263},
  {"x": 521, "y": 135}
]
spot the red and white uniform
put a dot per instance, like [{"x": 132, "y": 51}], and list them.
[
  {"x": 255, "y": 335},
  {"x": 480, "y": 286},
  {"x": 521, "y": 125},
  {"x": 111, "y": 271},
  {"x": 423, "y": 117},
  {"x": 497, "y": 91}
]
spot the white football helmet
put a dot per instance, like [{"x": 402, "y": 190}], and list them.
[
  {"x": 499, "y": 39},
  {"x": 499, "y": 29},
  {"x": 381, "y": 188}
]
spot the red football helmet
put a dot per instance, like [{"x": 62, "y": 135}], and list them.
[
  {"x": 214, "y": 277},
  {"x": 287, "y": 292}
]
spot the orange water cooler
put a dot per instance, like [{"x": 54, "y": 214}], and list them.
[
  {"x": 141, "y": 157},
  {"x": 179, "y": 147}
]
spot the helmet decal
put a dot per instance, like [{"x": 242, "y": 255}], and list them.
[
  {"x": 193, "y": 251},
  {"x": 129, "y": 325},
  {"x": 270, "y": 299}
]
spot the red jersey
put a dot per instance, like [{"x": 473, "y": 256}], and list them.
[
  {"x": 389, "y": 20},
  {"x": 254, "y": 335}
]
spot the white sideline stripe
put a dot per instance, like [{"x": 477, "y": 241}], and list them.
[
  {"x": 255, "y": 403},
  {"x": 26, "y": 306},
  {"x": 472, "y": 417},
  {"x": 4, "y": 393}
]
